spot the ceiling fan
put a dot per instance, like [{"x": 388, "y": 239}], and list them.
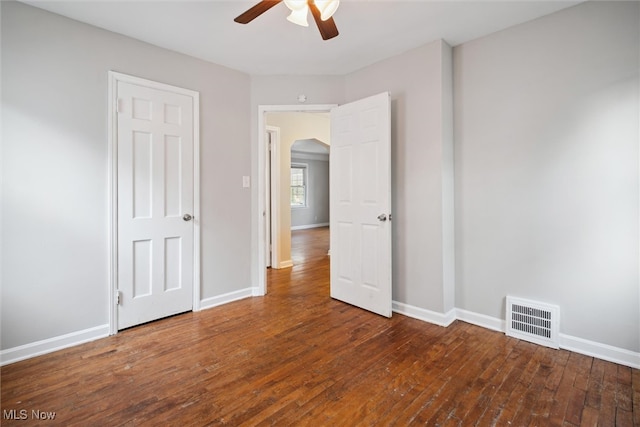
[{"x": 322, "y": 11}]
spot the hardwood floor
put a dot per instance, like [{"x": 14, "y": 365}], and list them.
[{"x": 297, "y": 357}]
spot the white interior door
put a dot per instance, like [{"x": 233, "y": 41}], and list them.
[
  {"x": 155, "y": 206},
  {"x": 360, "y": 170}
]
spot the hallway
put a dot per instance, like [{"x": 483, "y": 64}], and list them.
[{"x": 310, "y": 244}]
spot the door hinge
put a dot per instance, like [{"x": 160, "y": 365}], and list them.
[
  {"x": 120, "y": 105},
  {"x": 118, "y": 297}
]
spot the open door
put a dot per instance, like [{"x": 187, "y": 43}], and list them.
[{"x": 360, "y": 187}]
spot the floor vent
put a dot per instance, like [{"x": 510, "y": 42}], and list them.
[{"x": 533, "y": 321}]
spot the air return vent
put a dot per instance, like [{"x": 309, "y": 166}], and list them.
[{"x": 533, "y": 321}]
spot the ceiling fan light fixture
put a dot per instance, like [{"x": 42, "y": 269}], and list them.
[
  {"x": 299, "y": 16},
  {"x": 321, "y": 10},
  {"x": 327, "y": 8}
]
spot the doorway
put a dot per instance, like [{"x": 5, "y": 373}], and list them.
[
  {"x": 309, "y": 184},
  {"x": 276, "y": 166},
  {"x": 360, "y": 187},
  {"x": 297, "y": 189}
]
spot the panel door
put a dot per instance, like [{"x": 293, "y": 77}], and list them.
[
  {"x": 360, "y": 169},
  {"x": 155, "y": 203}
]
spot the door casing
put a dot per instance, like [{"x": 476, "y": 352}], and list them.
[
  {"x": 114, "y": 78},
  {"x": 272, "y": 190}
]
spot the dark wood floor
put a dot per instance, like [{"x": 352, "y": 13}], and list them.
[{"x": 296, "y": 357}]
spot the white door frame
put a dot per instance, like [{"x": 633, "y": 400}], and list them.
[
  {"x": 262, "y": 158},
  {"x": 114, "y": 78},
  {"x": 272, "y": 191}
]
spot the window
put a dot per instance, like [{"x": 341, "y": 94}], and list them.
[{"x": 298, "y": 185}]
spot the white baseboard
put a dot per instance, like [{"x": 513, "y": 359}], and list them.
[
  {"x": 598, "y": 350},
  {"x": 442, "y": 319},
  {"x": 577, "y": 345},
  {"x": 306, "y": 227},
  {"x": 50, "y": 345},
  {"x": 482, "y": 320},
  {"x": 285, "y": 264},
  {"x": 226, "y": 298}
]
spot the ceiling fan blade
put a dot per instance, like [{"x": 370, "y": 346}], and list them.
[
  {"x": 256, "y": 11},
  {"x": 328, "y": 29}
]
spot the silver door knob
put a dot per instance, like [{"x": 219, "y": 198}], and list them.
[
  {"x": 187, "y": 217},
  {"x": 382, "y": 217}
]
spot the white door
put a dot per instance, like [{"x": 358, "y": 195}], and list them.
[
  {"x": 360, "y": 169},
  {"x": 155, "y": 206}
]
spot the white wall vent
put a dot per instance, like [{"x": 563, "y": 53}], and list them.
[{"x": 533, "y": 321}]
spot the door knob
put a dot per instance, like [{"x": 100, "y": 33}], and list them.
[
  {"x": 382, "y": 217},
  {"x": 187, "y": 217}
]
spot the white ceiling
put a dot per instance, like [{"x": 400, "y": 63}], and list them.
[{"x": 370, "y": 30}]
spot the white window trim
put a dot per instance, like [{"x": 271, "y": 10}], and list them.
[{"x": 304, "y": 166}]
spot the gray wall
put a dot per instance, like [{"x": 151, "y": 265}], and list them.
[
  {"x": 55, "y": 169},
  {"x": 546, "y": 157},
  {"x": 421, "y": 170},
  {"x": 546, "y": 170},
  {"x": 317, "y": 209}
]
